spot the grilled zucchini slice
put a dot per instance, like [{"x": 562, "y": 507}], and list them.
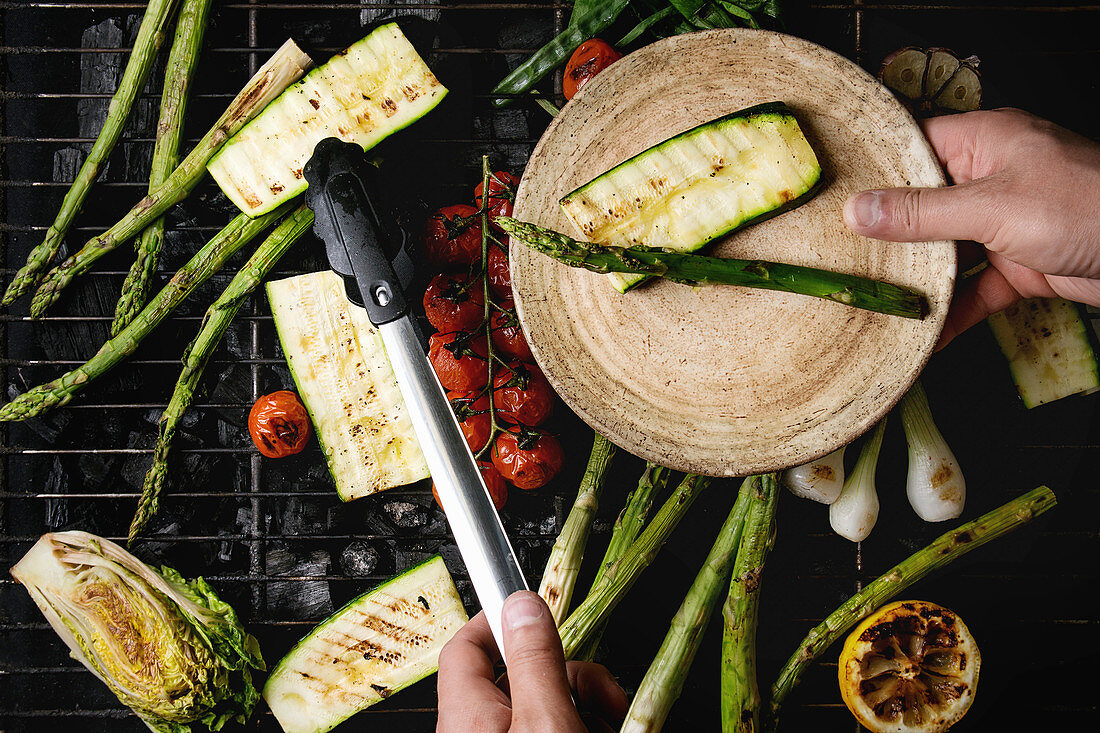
[
  {"x": 362, "y": 95},
  {"x": 376, "y": 645},
  {"x": 1048, "y": 348},
  {"x": 699, "y": 185},
  {"x": 346, "y": 382}
]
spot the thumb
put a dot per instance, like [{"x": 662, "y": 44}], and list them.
[
  {"x": 537, "y": 678},
  {"x": 965, "y": 211}
]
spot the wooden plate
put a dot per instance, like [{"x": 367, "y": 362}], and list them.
[{"x": 719, "y": 380}]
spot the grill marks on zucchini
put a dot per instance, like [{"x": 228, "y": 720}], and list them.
[
  {"x": 699, "y": 185},
  {"x": 363, "y": 94},
  {"x": 378, "y": 644},
  {"x": 346, "y": 382}
]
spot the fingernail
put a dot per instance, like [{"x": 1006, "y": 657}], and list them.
[
  {"x": 864, "y": 209},
  {"x": 522, "y": 610}
]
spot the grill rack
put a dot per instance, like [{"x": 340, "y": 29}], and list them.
[{"x": 255, "y": 555}]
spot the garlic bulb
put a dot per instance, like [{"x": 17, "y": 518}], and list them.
[
  {"x": 855, "y": 512},
  {"x": 819, "y": 480},
  {"x": 935, "y": 484}
]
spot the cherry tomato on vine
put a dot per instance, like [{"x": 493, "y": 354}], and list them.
[
  {"x": 454, "y": 302},
  {"x": 472, "y": 411},
  {"x": 502, "y": 193},
  {"x": 507, "y": 335},
  {"x": 279, "y": 424},
  {"x": 527, "y": 458},
  {"x": 590, "y": 58},
  {"x": 499, "y": 272},
  {"x": 460, "y": 360},
  {"x": 452, "y": 237},
  {"x": 522, "y": 395},
  {"x": 498, "y": 490}
]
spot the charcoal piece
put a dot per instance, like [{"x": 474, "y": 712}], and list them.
[
  {"x": 95, "y": 469},
  {"x": 358, "y": 559},
  {"x": 307, "y": 596},
  {"x": 137, "y": 465},
  {"x": 428, "y": 10},
  {"x": 302, "y": 518},
  {"x": 66, "y": 164},
  {"x": 406, "y": 558},
  {"x": 405, "y": 515},
  {"x": 511, "y": 124},
  {"x": 99, "y": 74},
  {"x": 56, "y": 510},
  {"x": 233, "y": 387}
]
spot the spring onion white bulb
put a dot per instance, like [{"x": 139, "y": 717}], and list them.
[
  {"x": 819, "y": 480},
  {"x": 855, "y": 512},
  {"x": 935, "y": 484}
]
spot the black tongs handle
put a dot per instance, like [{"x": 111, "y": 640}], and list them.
[{"x": 346, "y": 220}]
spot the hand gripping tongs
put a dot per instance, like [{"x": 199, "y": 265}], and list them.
[{"x": 357, "y": 240}]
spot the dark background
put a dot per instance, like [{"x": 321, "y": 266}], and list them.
[{"x": 271, "y": 535}]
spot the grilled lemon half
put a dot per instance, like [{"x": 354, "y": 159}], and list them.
[{"x": 910, "y": 667}]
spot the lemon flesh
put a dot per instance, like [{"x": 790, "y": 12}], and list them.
[{"x": 910, "y": 667}]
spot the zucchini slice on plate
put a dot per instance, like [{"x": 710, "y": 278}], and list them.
[
  {"x": 347, "y": 385},
  {"x": 1048, "y": 348},
  {"x": 362, "y": 95},
  {"x": 376, "y": 645},
  {"x": 699, "y": 185}
]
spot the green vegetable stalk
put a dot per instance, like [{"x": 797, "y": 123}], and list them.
[
  {"x": 150, "y": 36},
  {"x": 740, "y": 691},
  {"x": 627, "y": 526},
  {"x": 214, "y": 324},
  {"x": 560, "y": 575},
  {"x": 665, "y": 677},
  {"x": 858, "y": 292},
  {"x": 942, "y": 551},
  {"x": 281, "y": 70},
  {"x": 597, "y": 607},
  {"x": 205, "y": 263},
  {"x": 167, "y": 647},
  {"x": 182, "y": 59}
]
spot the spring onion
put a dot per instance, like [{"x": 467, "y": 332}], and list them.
[
  {"x": 819, "y": 480},
  {"x": 855, "y": 512},
  {"x": 935, "y": 484}
]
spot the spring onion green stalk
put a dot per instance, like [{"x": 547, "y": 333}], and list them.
[
  {"x": 820, "y": 480},
  {"x": 854, "y": 513},
  {"x": 935, "y": 484},
  {"x": 560, "y": 575},
  {"x": 740, "y": 692},
  {"x": 205, "y": 263},
  {"x": 686, "y": 268},
  {"x": 281, "y": 70},
  {"x": 942, "y": 551},
  {"x": 665, "y": 677},
  {"x": 182, "y": 59},
  {"x": 217, "y": 319},
  {"x": 594, "y": 611},
  {"x": 150, "y": 36},
  {"x": 627, "y": 526},
  {"x": 167, "y": 647}
]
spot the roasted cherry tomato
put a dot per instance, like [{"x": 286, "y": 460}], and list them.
[
  {"x": 460, "y": 360},
  {"x": 507, "y": 335},
  {"x": 454, "y": 302},
  {"x": 493, "y": 481},
  {"x": 502, "y": 193},
  {"x": 527, "y": 458},
  {"x": 279, "y": 424},
  {"x": 590, "y": 58},
  {"x": 472, "y": 411},
  {"x": 522, "y": 395},
  {"x": 499, "y": 272},
  {"x": 452, "y": 237}
]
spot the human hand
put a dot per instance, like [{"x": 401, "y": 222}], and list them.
[
  {"x": 1026, "y": 189},
  {"x": 536, "y": 693}
]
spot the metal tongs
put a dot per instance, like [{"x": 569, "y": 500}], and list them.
[{"x": 359, "y": 243}]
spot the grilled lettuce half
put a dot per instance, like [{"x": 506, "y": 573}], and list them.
[{"x": 167, "y": 647}]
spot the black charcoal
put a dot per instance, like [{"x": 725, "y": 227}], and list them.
[{"x": 358, "y": 559}]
